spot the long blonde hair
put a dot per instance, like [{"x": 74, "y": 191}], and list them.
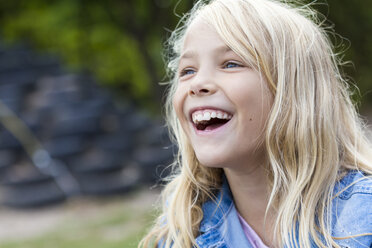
[{"x": 313, "y": 132}]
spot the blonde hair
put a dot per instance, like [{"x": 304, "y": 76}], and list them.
[{"x": 313, "y": 133}]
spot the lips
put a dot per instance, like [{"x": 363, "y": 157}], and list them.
[{"x": 209, "y": 119}]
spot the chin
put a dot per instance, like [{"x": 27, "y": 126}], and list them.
[{"x": 208, "y": 160}]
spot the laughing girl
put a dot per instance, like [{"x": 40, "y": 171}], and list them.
[{"x": 271, "y": 150}]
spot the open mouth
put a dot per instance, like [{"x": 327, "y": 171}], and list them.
[{"x": 208, "y": 120}]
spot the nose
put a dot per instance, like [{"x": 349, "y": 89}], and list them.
[
  {"x": 199, "y": 91},
  {"x": 202, "y": 85}
]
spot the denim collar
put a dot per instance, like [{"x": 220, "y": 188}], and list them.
[
  {"x": 216, "y": 210},
  {"x": 220, "y": 227}
]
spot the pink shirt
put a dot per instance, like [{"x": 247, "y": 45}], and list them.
[{"x": 251, "y": 235}]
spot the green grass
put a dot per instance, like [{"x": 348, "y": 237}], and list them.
[{"x": 120, "y": 227}]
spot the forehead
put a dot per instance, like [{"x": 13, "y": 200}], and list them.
[{"x": 201, "y": 34}]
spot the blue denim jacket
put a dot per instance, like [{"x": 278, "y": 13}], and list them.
[{"x": 351, "y": 215}]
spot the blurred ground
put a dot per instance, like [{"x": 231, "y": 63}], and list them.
[{"x": 18, "y": 225}]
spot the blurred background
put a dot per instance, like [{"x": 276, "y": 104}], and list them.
[{"x": 82, "y": 140}]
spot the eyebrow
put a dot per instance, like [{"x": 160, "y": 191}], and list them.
[{"x": 192, "y": 53}]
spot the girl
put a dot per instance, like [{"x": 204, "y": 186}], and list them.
[{"x": 271, "y": 150}]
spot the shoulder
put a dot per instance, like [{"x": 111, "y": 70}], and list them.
[{"x": 352, "y": 210}]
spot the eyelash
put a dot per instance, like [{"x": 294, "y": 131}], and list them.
[
  {"x": 236, "y": 64},
  {"x": 225, "y": 65},
  {"x": 185, "y": 71}
]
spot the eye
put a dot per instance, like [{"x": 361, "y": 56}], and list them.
[
  {"x": 232, "y": 64},
  {"x": 186, "y": 71}
]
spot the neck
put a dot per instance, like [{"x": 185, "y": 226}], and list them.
[{"x": 250, "y": 189}]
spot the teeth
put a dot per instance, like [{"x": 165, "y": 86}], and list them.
[{"x": 206, "y": 115}]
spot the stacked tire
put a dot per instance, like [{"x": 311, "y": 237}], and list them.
[{"x": 93, "y": 144}]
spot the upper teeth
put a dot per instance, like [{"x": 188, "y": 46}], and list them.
[{"x": 206, "y": 115}]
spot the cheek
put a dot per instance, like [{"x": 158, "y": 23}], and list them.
[
  {"x": 260, "y": 115},
  {"x": 255, "y": 99},
  {"x": 254, "y": 104},
  {"x": 178, "y": 101}
]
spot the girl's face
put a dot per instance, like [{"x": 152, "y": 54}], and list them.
[{"x": 221, "y": 103}]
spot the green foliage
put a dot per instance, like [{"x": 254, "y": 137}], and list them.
[
  {"x": 118, "y": 41},
  {"x": 353, "y": 21},
  {"x": 110, "y": 53}
]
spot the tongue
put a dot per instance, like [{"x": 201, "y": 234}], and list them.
[{"x": 213, "y": 126}]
